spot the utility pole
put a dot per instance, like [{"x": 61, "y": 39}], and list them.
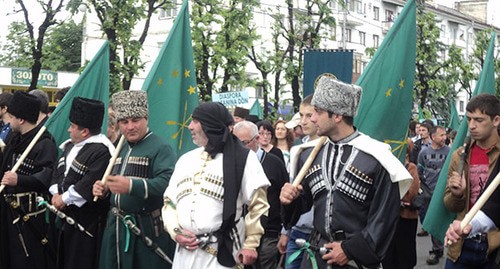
[{"x": 344, "y": 30}]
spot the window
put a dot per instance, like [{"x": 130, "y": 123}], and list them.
[
  {"x": 333, "y": 32},
  {"x": 462, "y": 35},
  {"x": 375, "y": 41},
  {"x": 259, "y": 91},
  {"x": 351, "y": 5},
  {"x": 461, "y": 106},
  {"x": 359, "y": 7},
  {"x": 453, "y": 34},
  {"x": 389, "y": 15},
  {"x": 170, "y": 11},
  {"x": 376, "y": 14},
  {"x": 357, "y": 64},
  {"x": 443, "y": 31},
  {"x": 362, "y": 39},
  {"x": 332, "y": 5},
  {"x": 348, "y": 35}
]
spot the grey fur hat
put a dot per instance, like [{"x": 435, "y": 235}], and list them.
[
  {"x": 336, "y": 96},
  {"x": 130, "y": 104}
]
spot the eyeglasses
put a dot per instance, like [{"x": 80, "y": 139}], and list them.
[
  {"x": 246, "y": 142},
  {"x": 265, "y": 133}
]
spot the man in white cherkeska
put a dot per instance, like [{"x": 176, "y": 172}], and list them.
[{"x": 209, "y": 189}]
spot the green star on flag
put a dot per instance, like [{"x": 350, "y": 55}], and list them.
[
  {"x": 385, "y": 108},
  {"x": 172, "y": 101}
]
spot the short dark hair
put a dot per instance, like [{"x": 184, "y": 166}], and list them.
[
  {"x": 434, "y": 129},
  {"x": 307, "y": 100},
  {"x": 5, "y": 98},
  {"x": 413, "y": 125},
  {"x": 61, "y": 93},
  {"x": 486, "y": 103},
  {"x": 427, "y": 126},
  {"x": 95, "y": 131},
  {"x": 428, "y": 122},
  {"x": 266, "y": 125},
  {"x": 347, "y": 119}
]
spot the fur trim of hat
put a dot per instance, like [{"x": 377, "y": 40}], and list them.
[
  {"x": 130, "y": 104},
  {"x": 24, "y": 106},
  {"x": 336, "y": 96},
  {"x": 87, "y": 113}
]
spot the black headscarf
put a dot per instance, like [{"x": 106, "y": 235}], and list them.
[{"x": 215, "y": 120}]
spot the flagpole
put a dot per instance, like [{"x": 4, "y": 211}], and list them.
[
  {"x": 112, "y": 162},
  {"x": 25, "y": 153},
  {"x": 479, "y": 203},
  {"x": 309, "y": 161}
]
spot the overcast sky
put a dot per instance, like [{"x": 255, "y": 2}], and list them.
[{"x": 7, "y": 15}]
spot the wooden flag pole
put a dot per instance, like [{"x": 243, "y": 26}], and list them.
[
  {"x": 26, "y": 152},
  {"x": 479, "y": 203},
  {"x": 302, "y": 173},
  {"x": 112, "y": 161}
]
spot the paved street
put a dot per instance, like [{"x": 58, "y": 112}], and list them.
[{"x": 423, "y": 246}]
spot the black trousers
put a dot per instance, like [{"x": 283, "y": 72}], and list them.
[{"x": 402, "y": 253}]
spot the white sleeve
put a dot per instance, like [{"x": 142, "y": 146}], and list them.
[
  {"x": 481, "y": 223},
  {"x": 72, "y": 197}
]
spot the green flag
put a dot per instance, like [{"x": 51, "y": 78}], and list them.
[
  {"x": 438, "y": 217},
  {"x": 171, "y": 86},
  {"x": 385, "y": 109},
  {"x": 421, "y": 117},
  {"x": 93, "y": 83},
  {"x": 256, "y": 110},
  {"x": 454, "y": 119}
]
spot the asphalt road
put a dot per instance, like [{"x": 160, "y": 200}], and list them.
[{"x": 423, "y": 246}]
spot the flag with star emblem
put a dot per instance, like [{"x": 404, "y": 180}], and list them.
[
  {"x": 171, "y": 86},
  {"x": 93, "y": 83},
  {"x": 438, "y": 217},
  {"x": 385, "y": 108}
]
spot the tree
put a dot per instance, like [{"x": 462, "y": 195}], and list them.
[
  {"x": 118, "y": 20},
  {"x": 293, "y": 31},
  {"x": 428, "y": 63},
  {"x": 222, "y": 41},
  {"x": 61, "y": 49},
  {"x": 301, "y": 29},
  {"x": 34, "y": 44},
  {"x": 16, "y": 51},
  {"x": 478, "y": 57}
]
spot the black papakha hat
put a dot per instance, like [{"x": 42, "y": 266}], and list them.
[
  {"x": 241, "y": 112},
  {"x": 87, "y": 113},
  {"x": 24, "y": 106}
]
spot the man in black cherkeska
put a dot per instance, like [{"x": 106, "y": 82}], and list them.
[{"x": 25, "y": 240}]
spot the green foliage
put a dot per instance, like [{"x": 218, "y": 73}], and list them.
[
  {"x": 62, "y": 47},
  {"x": 370, "y": 51},
  {"x": 300, "y": 29},
  {"x": 433, "y": 85},
  {"x": 222, "y": 38},
  {"x": 118, "y": 19},
  {"x": 16, "y": 50},
  {"x": 437, "y": 81}
]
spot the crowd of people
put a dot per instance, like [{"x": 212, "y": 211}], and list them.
[{"x": 312, "y": 192}]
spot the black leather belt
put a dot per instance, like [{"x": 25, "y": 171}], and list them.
[
  {"x": 480, "y": 237},
  {"x": 338, "y": 235}
]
